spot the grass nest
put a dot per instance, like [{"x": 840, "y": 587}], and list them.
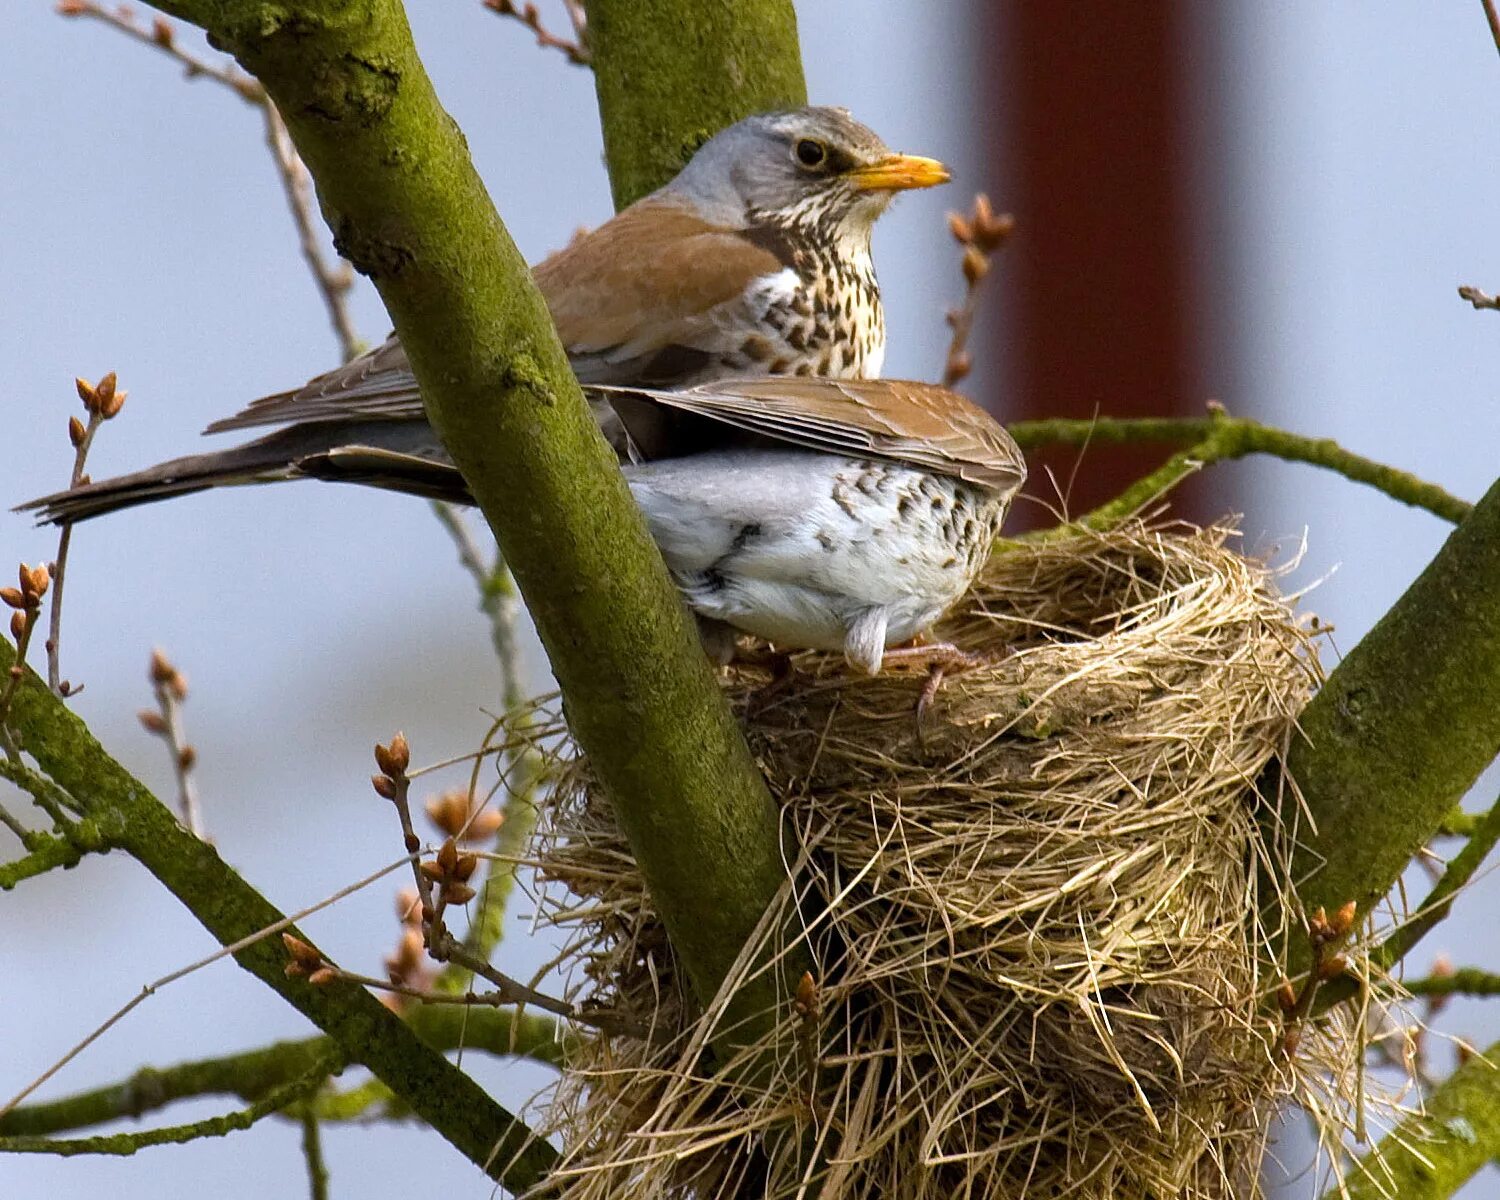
[{"x": 1038, "y": 956}]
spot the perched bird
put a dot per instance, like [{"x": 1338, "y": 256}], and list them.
[
  {"x": 754, "y": 260},
  {"x": 815, "y": 513}
]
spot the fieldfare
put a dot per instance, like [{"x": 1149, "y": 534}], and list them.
[
  {"x": 754, "y": 260},
  {"x": 815, "y": 513}
]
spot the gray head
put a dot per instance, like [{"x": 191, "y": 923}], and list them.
[{"x": 800, "y": 167}]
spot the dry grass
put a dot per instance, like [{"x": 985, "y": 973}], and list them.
[{"x": 1035, "y": 930}]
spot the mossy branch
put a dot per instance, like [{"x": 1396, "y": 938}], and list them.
[
  {"x": 252, "y": 1074},
  {"x": 1403, "y": 726},
  {"x": 129, "y": 817},
  {"x": 1429, "y": 1157},
  {"x": 396, "y": 185},
  {"x": 1218, "y": 438},
  {"x": 273, "y": 1101},
  {"x": 671, "y": 73}
]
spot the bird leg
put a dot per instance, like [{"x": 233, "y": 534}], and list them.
[{"x": 940, "y": 658}]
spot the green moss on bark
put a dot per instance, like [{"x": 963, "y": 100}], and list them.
[
  {"x": 1404, "y": 725},
  {"x": 671, "y": 73}
]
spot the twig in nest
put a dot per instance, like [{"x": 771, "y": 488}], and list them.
[
  {"x": 576, "y": 49},
  {"x": 981, "y": 234},
  {"x": 102, "y": 401},
  {"x": 441, "y": 881},
  {"x": 165, "y": 722}
]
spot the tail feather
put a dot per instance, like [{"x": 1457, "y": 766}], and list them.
[{"x": 398, "y": 455}]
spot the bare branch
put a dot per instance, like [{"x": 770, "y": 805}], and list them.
[
  {"x": 1478, "y": 298},
  {"x": 163, "y": 36},
  {"x": 170, "y": 689},
  {"x": 981, "y": 234},
  {"x": 576, "y": 49}
]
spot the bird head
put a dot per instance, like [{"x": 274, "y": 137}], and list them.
[{"x": 802, "y": 168}]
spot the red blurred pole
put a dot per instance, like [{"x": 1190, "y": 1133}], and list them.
[{"x": 1095, "y": 128}]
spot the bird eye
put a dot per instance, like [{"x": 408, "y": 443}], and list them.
[{"x": 810, "y": 153}]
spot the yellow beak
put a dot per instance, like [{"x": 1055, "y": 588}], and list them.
[{"x": 898, "y": 172}]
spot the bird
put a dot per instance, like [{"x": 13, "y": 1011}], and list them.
[
  {"x": 754, "y": 260},
  {"x": 818, "y": 514},
  {"x": 728, "y": 331}
]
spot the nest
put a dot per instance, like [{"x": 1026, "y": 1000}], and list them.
[{"x": 1038, "y": 961}]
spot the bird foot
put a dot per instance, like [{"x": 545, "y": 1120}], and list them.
[{"x": 941, "y": 659}]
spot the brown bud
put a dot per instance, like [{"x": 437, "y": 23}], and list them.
[
  {"x": 449, "y": 811},
  {"x": 104, "y": 392},
  {"x": 393, "y": 759},
  {"x": 86, "y": 393},
  {"x": 447, "y": 857},
  {"x": 13, "y": 597},
  {"x": 458, "y": 893},
  {"x": 84, "y": 479},
  {"x": 18, "y": 625},
  {"x": 962, "y": 231},
  {"x": 1317, "y": 925},
  {"x": 300, "y": 950},
  {"x": 959, "y": 366},
  {"x": 323, "y": 976},
  {"x": 485, "y": 824},
  {"x": 71, "y": 8},
  {"x": 383, "y": 786},
  {"x": 983, "y": 213},
  {"x": 111, "y": 408},
  {"x": 976, "y": 266},
  {"x": 1442, "y": 967},
  {"x": 152, "y": 721},
  {"x": 1286, "y": 996},
  {"x": 1343, "y": 920},
  {"x": 161, "y": 669},
  {"x": 64, "y": 688},
  {"x": 76, "y": 432},
  {"x": 1332, "y": 968},
  {"x": 807, "y": 993},
  {"x": 464, "y": 867},
  {"x": 186, "y": 757},
  {"x": 161, "y": 33},
  {"x": 432, "y": 871},
  {"x": 408, "y": 907},
  {"x": 37, "y": 581}
]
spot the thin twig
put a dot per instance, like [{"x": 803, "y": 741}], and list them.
[
  {"x": 172, "y": 977},
  {"x": 1478, "y": 298},
  {"x": 1493, "y": 17},
  {"x": 25, "y": 603},
  {"x": 128, "y": 1143},
  {"x": 1464, "y": 981},
  {"x": 170, "y": 689},
  {"x": 981, "y": 234},
  {"x": 1220, "y": 437},
  {"x": 333, "y": 281},
  {"x": 163, "y": 37},
  {"x": 576, "y": 49},
  {"x": 312, "y": 1152}
]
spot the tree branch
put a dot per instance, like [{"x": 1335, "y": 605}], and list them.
[
  {"x": 396, "y": 184},
  {"x": 1403, "y": 726},
  {"x": 252, "y": 1074},
  {"x": 1429, "y": 1157},
  {"x": 129, "y": 817},
  {"x": 1219, "y": 437},
  {"x": 671, "y": 73}
]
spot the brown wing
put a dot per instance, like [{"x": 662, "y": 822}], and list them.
[
  {"x": 648, "y": 288},
  {"x": 634, "y": 300},
  {"x": 895, "y": 420}
]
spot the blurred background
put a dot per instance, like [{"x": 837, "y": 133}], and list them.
[{"x": 1268, "y": 205}]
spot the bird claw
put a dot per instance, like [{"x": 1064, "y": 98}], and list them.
[{"x": 941, "y": 658}]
